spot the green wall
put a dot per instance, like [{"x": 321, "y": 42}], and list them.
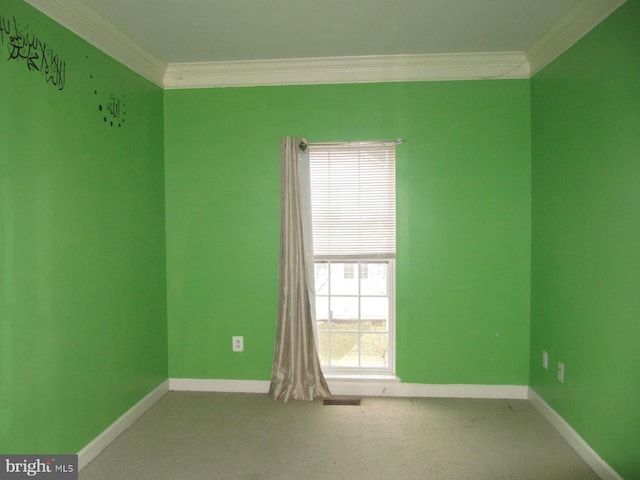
[
  {"x": 83, "y": 298},
  {"x": 463, "y": 278},
  {"x": 586, "y": 233},
  {"x": 83, "y": 331}
]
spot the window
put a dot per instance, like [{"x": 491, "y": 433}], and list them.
[
  {"x": 349, "y": 270},
  {"x": 353, "y": 217},
  {"x": 364, "y": 271}
]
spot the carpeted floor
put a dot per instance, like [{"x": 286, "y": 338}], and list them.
[{"x": 221, "y": 436}]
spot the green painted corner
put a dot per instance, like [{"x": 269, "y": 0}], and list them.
[
  {"x": 585, "y": 257},
  {"x": 83, "y": 332}
]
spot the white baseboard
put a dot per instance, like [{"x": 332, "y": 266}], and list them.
[
  {"x": 369, "y": 388},
  {"x": 588, "y": 454},
  {"x": 93, "y": 449},
  {"x": 398, "y": 389},
  {"x": 213, "y": 385}
]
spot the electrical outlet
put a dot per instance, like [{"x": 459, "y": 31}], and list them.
[
  {"x": 561, "y": 372},
  {"x": 545, "y": 360},
  {"x": 237, "y": 344}
]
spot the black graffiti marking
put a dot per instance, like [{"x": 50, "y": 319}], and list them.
[
  {"x": 24, "y": 45},
  {"x": 5, "y": 28},
  {"x": 113, "y": 106},
  {"x": 113, "y": 110}
]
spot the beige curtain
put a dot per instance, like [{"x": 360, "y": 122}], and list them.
[{"x": 296, "y": 368}]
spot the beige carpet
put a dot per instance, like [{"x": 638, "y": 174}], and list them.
[{"x": 219, "y": 436}]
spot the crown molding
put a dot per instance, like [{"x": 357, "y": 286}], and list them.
[
  {"x": 570, "y": 28},
  {"x": 104, "y": 35},
  {"x": 361, "y": 69}
]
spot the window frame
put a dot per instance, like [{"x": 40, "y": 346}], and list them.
[
  {"x": 390, "y": 369},
  {"x": 378, "y": 246}
]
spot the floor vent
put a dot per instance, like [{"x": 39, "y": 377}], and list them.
[{"x": 354, "y": 402}]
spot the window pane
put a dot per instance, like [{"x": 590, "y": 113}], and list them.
[
  {"x": 375, "y": 350},
  {"x": 364, "y": 270},
  {"x": 344, "y": 310},
  {"x": 322, "y": 278},
  {"x": 349, "y": 270},
  {"x": 374, "y": 313},
  {"x": 341, "y": 285},
  {"x": 322, "y": 309},
  {"x": 344, "y": 349},
  {"x": 375, "y": 326},
  {"x": 323, "y": 345},
  {"x": 376, "y": 281}
]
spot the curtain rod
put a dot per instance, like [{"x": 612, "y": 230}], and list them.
[{"x": 397, "y": 141}]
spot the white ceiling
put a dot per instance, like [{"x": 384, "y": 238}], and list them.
[
  {"x": 198, "y": 43},
  {"x": 181, "y": 31}
]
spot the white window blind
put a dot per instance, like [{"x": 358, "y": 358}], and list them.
[{"x": 353, "y": 199}]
